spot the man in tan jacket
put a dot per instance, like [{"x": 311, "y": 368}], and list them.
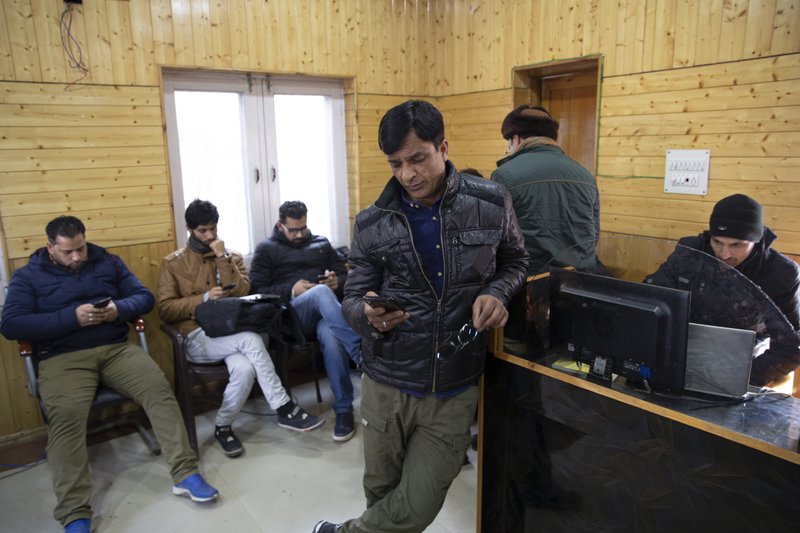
[{"x": 205, "y": 270}]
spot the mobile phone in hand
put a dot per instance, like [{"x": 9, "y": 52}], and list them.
[
  {"x": 387, "y": 302},
  {"x": 102, "y": 302},
  {"x": 321, "y": 277},
  {"x": 229, "y": 286}
]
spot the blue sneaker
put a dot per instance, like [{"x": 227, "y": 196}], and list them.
[
  {"x": 196, "y": 488},
  {"x": 81, "y": 525}
]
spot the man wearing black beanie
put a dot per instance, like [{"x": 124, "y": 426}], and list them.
[{"x": 737, "y": 237}]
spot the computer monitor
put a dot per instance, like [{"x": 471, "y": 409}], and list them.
[{"x": 635, "y": 330}]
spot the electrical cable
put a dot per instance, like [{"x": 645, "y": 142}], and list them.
[
  {"x": 23, "y": 467},
  {"x": 71, "y": 47}
]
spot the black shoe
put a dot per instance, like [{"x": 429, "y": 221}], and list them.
[
  {"x": 345, "y": 427},
  {"x": 300, "y": 420},
  {"x": 231, "y": 445},
  {"x": 326, "y": 527}
]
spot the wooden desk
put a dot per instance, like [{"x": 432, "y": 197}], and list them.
[{"x": 559, "y": 453}]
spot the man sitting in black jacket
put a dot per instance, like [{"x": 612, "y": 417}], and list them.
[
  {"x": 305, "y": 270},
  {"x": 738, "y": 238}
]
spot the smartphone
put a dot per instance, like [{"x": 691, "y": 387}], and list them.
[
  {"x": 102, "y": 302},
  {"x": 321, "y": 277},
  {"x": 228, "y": 287},
  {"x": 387, "y": 302}
]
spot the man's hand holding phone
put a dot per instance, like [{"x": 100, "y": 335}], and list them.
[
  {"x": 383, "y": 313},
  {"x": 330, "y": 279}
]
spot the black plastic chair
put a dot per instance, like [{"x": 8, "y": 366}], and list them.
[
  {"x": 294, "y": 344},
  {"x": 106, "y": 397}
]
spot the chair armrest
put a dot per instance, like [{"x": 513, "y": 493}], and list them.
[
  {"x": 138, "y": 324},
  {"x": 178, "y": 348},
  {"x": 25, "y": 348}
]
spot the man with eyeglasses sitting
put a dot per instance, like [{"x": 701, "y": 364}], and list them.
[
  {"x": 445, "y": 251},
  {"x": 306, "y": 271}
]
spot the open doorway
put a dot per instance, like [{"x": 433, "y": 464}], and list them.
[{"x": 570, "y": 91}]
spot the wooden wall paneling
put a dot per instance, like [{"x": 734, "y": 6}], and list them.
[
  {"x": 732, "y": 32},
  {"x": 183, "y": 32},
  {"x": 143, "y": 43},
  {"x": 21, "y": 411},
  {"x": 98, "y": 43},
  {"x": 764, "y": 119},
  {"x": 687, "y": 22},
  {"x": 47, "y": 24},
  {"x": 649, "y": 42},
  {"x": 783, "y": 169},
  {"x": 39, "y": 93},
  {"x": 121, "y": 40},
  {"x": 163, "y": 40},
  {"x": 758, "y": 33},
  {"x": 623, "y": 29},
  {"x": 664, "y": 34},
  {"x": 202, "y": 43},
  {"x": 220, "y": 30},
  {"x": 786, "y": 28},
  {"x": 708, "y": 40},
  {"x": 6, "y": 62},
  {"x": 590, "y": 20},
  {"x": 66, "y": 180},
  {"x": 22, "y": 37},
  {"x": 90, "y": 136},
  {"x": 239, "y": 45}
]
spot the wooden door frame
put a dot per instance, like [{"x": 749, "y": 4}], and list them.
[{"x": 527, "y": 84}]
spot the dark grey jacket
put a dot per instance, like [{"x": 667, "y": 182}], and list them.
[{"x": 484, "y": 253}]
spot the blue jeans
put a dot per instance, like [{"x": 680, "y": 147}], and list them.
[{"x": 320, "y": 313}]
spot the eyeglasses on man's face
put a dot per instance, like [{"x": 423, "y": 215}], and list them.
[
  {"x": 295, "y": 231},
  {"x": 465, "y": 336}
]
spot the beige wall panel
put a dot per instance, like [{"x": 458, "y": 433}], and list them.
[
  {"x": 81, "y": 179},
  {"x": 734, "y": 27},
  {"x": 106, "y": 217},
  {"x": 22, "y": 37},
  {"x": 64, "y": 115},
  {"x": 143, "y": 43},
  {"x": 144, "y": 234},
  {"x": 760, "y": 20},
  {"x": 708, "y": 39},
  {"x": 79, "y": 158},
  {"x": 6, "y": 63},
  {"x": 46, "y": 21},
  {"x": 735, "y": 97},
  {"x": 786, "y": 28},
  {"x": 62, "y": 202},
  {"x": 89, "y": 95},
  {"x": 780, "y": 144},
  {"x": 82, "y": 137},
  {"x": 782, "y": 169},
  {"x": 98, "y": 42},
  {"x": 121, "y": 40},
  {"x": 163, "y": 40},
  {"x": 765, "y": 119}
]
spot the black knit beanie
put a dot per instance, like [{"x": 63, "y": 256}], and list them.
[
  {"x": 738, "y": 217},
  {"x": 527, "y": 121}
]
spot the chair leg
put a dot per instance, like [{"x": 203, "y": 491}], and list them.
[
  {"x": 148, "y": 438},
  {"x": 316, "y": 374}
]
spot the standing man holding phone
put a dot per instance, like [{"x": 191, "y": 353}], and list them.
[
  {"x": 447, "y": 247},
  {"x": 205, "y": 270},
  {"x": 306, "y": 271}
]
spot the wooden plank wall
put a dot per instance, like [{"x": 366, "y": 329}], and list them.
[{"x": 720, "y": 74}]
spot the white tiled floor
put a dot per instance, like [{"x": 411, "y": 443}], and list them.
[{"x": 284, "y": 483}]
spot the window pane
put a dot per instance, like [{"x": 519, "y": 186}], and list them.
[
  {"x": 212, "y": 159},
  {"x": 302, "y": 123}
]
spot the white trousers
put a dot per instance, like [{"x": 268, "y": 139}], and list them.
[{"x": 247, "y": 359}]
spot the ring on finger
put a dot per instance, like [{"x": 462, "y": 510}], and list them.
[{"x": 384, "y": 324}]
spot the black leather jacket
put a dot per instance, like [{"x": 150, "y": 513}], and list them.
[{"x": 484, "y": 253}]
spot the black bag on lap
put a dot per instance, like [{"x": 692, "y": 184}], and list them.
[{"x": 260, "y": 313}]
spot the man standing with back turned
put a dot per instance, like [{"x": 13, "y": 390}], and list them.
[
  {"x": 554, "y": 197},
  {"x": 447, "y": 248}
]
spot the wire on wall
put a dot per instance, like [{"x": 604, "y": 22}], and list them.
[{"x": 71, "y": 47}]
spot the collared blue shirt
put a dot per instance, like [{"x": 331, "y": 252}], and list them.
[{"x": 426, "y": 228}]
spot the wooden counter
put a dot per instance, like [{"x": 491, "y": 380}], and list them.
[{"x": 560, "y": 453}]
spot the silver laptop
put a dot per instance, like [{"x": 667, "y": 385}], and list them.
[{"x": 718, "y": 360}]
